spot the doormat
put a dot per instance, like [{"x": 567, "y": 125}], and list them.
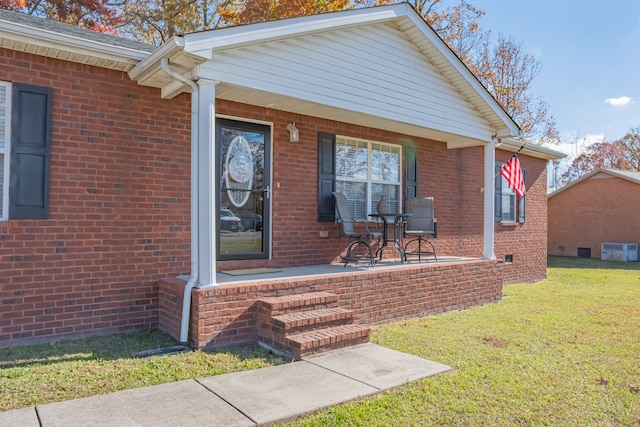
[{"x": 248, "y": 271}]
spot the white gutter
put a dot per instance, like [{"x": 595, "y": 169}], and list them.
[{"x": 195, "y": 268}]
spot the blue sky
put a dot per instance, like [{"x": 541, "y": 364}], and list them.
[{"x": 590, "y": 55}]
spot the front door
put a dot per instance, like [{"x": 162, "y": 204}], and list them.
[{"x": 244, "y": 190}]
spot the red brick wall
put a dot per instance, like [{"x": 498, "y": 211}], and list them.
[
  {"x": 227, "y": 315},
  {"x": 527, "y": 242},
  {"x": 600, "y": 209},
  {"x": 459, "y": 200},
  {"x": 119, "y": 207},
  {"x": 119, "y": 204}
]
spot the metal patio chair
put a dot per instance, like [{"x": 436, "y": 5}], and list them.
[
  {"x": 360, "y": 237},
  {"x": 419, "y": 227}
]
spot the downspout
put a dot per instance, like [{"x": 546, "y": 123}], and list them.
[{"x": 195, "y": 268}]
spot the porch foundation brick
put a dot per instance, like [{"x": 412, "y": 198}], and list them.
[
  {"x": 240, "y": 313},
  {"x": 305, "y": 323}
]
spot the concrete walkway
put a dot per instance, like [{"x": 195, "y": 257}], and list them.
[{"x": 247, "y": 398}]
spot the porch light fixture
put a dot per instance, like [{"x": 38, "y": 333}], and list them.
[{"x": 293, "y": 132}]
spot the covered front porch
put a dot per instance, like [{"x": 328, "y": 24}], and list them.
[{"x": 229, "y": 315}]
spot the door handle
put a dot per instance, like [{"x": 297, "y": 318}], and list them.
[{"x": 267, "y": 192}]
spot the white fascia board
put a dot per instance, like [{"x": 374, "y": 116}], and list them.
[
  {"x": 202, "y": 43},
  {"x": 167, "y": 50},
  {"x": 149, "y": 71},
  {"x": 531, "y": 150},
  {"x": 68, "y": 43}
]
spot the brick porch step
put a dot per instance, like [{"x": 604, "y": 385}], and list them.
[
  {"x": 298, "y": 302},
  {"x": 312, "y": 319},
  {"x": 307, "y": 323},
  {"x": 305, "y": 343}
]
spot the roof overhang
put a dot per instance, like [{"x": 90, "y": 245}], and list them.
[
  {"x": 610, "y": 173},
  {"x": 186, "y": 54},
  {"x": 68, "y": 46},
  {"x": 538, "y": 151}
]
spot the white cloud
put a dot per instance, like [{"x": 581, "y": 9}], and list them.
[
  {"x": 618, "y": 102},
  {"x": 572, "y": 144}
]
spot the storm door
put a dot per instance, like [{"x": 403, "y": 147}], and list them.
[{"x": 244, "y": 189}]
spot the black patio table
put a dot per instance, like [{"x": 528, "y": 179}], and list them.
[{"x": 398, "y": 218}]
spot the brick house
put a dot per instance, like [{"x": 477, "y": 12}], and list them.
[
  {"x": 601, "y": 207},
  {"x": 133, "y": 175}
]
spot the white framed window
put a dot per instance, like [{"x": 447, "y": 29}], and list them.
[
  {"x": 5, "y": 148},
  {"x": 509, "y": 208},
  {"x": 365, "y": 171},
  {"x": 507, "y": 202}
]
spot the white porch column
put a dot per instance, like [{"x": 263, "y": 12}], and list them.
[
  {"x": 206, "y": 183},
  {"x": 489, "y": 196}
]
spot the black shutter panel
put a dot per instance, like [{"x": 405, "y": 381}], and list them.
[
  {"x": 498, "y": 198},
  {"x": 30, "y": 151},
  {"x": 326, "y": 176},
  {"x": 522, "y": 203},
  {"x": 411, "y": 172}
]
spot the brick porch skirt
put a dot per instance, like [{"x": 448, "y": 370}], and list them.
[{"x": 227, "y": 316}]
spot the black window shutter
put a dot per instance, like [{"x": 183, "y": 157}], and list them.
[
  {"x": 411, "y": 171},
  {"x": 522, "y": 203},
  {"x": 326, "y": 176},
  {"x": 498, "y": 197},
  {"x": 30, "y": 151}
]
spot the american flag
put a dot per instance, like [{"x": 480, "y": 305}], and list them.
[{"x": 512, "y": 172}]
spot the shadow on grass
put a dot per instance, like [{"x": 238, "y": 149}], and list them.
[
  {"x": 592, "y": 263},
  {"x": 110, "y": 347}
]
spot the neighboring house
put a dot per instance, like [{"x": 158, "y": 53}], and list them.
[
  {"x": 125, "y": 166},
  {"x": 601, "y": 207}
]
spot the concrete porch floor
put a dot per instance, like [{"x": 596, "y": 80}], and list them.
[{"x": 334, "y": 268}]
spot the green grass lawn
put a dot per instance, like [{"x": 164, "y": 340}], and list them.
[
  {"x": 38, "y": 374},
  {"x": 561, "y": 352}
]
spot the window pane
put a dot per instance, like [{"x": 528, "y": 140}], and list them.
[
  {"x": 351, "y": 159},
  {"x": 385, "y": 163},
  {"x": 356, "y": 194},
  {"x": 508, "y": 202},
  {"x": 365, "y": 171},
  {"x": 508, "y": 207},
  {"x": 391, "y": 191}
]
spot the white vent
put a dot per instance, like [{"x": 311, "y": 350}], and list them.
[{"x": 620, "y": 251}]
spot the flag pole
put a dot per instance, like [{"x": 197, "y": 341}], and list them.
[{"x": 514, "y": 155}]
